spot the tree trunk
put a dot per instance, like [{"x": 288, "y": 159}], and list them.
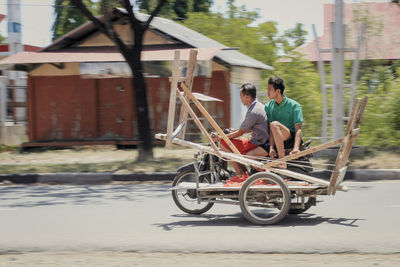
[{"x": 142, "y": 110}]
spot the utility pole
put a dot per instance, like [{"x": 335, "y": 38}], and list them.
[
  {"x": 14, "y": 26},
  {"x": 338, "y": 50},
  {"x": 337, "y": 70},
  {"x": 15, "y": 81}
]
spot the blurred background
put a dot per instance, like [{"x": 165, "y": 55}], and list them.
[{"x": 277, "y": 33}]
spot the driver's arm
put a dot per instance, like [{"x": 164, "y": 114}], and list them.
[{"x": 232, "y": 134}]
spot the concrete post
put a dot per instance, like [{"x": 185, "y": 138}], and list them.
[
  {"x": 14, "y": 26},
  {"x": 338, "y": 70},
  {"x": 3, "y": 107}
]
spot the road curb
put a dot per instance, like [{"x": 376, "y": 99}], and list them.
[
  {"x": 364, "y": 175},
  {"x": 95, "y": 178},
  {"x": 85, "y": 178}
]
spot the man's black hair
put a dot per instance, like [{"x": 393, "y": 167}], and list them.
[
  {"x": 277, "y": 83},
  {"x": 249, "y": 89}
]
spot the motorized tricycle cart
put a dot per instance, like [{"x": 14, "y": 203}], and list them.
[{"x": 265, "y": 197}]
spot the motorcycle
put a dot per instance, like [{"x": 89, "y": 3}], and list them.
[{"x": 208, "y": 168}]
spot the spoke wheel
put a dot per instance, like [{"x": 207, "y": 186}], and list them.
[
  {"x": 186, "y": 199},
  {"x": 264, "y": 207}
]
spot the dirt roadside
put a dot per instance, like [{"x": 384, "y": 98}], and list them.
[
  {"x": 110, "y": 159},
  {"x": 111, "y": 259}
]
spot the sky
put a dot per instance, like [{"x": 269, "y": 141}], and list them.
[{"x": 37, "y": 15}]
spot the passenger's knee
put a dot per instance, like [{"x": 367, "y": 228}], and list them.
[{"x": 274, "y": 125}]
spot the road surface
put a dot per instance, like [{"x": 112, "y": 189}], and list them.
[{"x": 143, "y": 218}]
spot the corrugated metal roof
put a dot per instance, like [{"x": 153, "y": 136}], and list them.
[
  {"x": 103, "y": 56},
  {"x": 195, "y": 39},
  {"x": 176, "y": 31}
]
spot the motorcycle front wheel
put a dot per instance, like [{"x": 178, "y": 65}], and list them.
[{"x": 186, "y": 199}]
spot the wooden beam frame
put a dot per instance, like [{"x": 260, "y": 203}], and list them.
[
  {"x": 176, "y": 75},
  {"x": 247, "y": 161},
  {"x": 189, "y": 82},
  {"x": 345, "y": 142},
  {"x": 186, "y": 85},
  {"x": 345, "y": 148},
  {"x": 209, "y": 118}
]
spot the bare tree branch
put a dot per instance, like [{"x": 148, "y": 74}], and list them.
[
  {"x": 100, "y": 25},
  {"x": 108, "y": 31},
  {"x": 132, "y": 18},
  {"x": 155, "y": 11}
]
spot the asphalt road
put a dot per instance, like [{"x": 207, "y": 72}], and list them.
[{"x": 143, "y": 217}]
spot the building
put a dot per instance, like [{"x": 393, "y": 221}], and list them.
[
  {"x": 341, "y": 42},
  {"x": 79, "y": 88},
  {"x": 13, "y": 88},
  {"x": 382, "y": 38}
]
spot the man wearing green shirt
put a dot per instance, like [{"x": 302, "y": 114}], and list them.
[{"x": 285, "y": 117}]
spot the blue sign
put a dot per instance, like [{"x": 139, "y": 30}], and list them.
[{"x": 14, "y": 27}]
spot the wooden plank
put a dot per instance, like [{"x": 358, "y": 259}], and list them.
[
  {"x": 225, "y": 155},
  {"x": 191, "y": 68},
  {"x": 209, "y": 118},
  {"x": 306, "y": 178},
  {"x": 344, "y": 150},
  {"x": 341, "y": 161},
  {"x": 361, "y": 112},
  {"x": 352, "y": 119},
  {"x": 180, "y": 79},
  {"x": 304, "y": 152},
  {"x": 172, "y": 98},
  {"x": 189, "y": 81},
  {"x": 197, "y": 121},
  {"x": 342, "y": 173},
  {"x": 219, "y": 187}
]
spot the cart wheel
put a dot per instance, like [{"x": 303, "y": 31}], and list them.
[
  {"x": 262, "y": 206},
  {"x": 186, "y": 199}
]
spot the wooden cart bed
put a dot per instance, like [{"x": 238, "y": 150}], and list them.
[{"x": 219, "y": 187}]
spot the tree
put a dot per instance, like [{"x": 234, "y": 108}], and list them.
[
  {"x": 297, "y": 35},
  {"x": 132, "y": 55},
  {"x": 105, "y": 5},
  {"x": 381, "y": 121},
  {"x": 257, "y": 42},
  {"x": 68, "y": 17},
  {"x": 177, "y": 9}
]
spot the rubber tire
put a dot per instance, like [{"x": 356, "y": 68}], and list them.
[
  {"x": 286, "y": 198},
  {"x": 176, "y": 199},
  {"x": 295, "y": 211}
]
